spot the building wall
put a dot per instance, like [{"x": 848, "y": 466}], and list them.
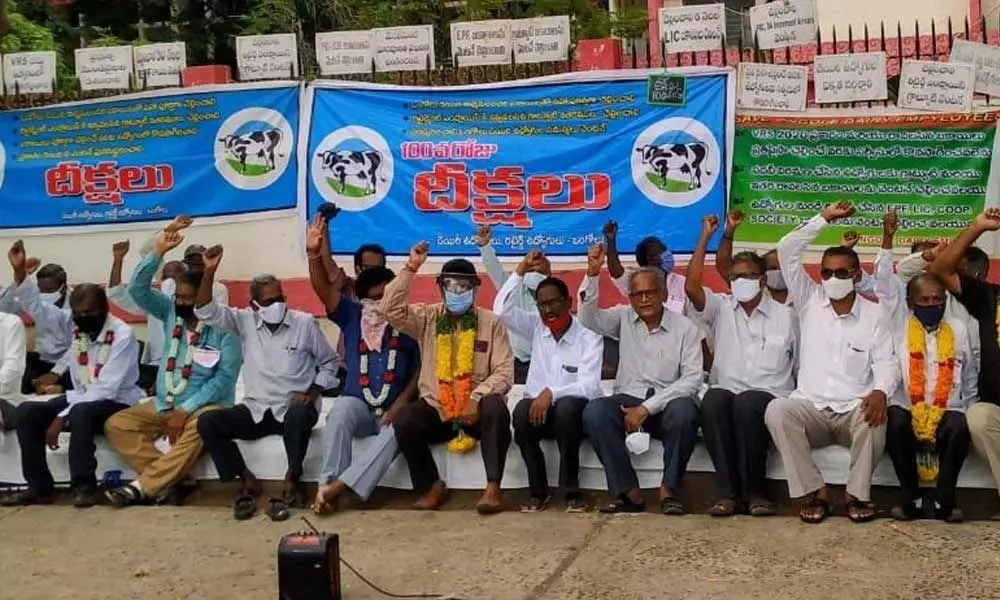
[{"x": 855, "y": 13}]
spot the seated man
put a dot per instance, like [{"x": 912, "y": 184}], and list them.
[
  {"x": 774, "y": 281},
  {"x": 524, "y": 299},
  {"x": 755, "y": 361},
  {"x": 13, "y": 349},
  {"x": 288, "y": 363},
  {"x": 466, "y": 371},
  {"x": 659, "y": 375},
  {"x": 381, "y": 365},
  {"x": 197, "y": 373},
  {"x": 565, "y": 374},
  {"x": 847, "y": 372},
  {"x": 104, "y": 366}
]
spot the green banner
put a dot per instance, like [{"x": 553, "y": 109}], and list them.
[{"x": 933, "y": 169}]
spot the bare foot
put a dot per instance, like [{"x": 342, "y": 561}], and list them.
[
  {"x": 434, "y": 498},
  {"x": 328, "y": 497},
  {"x": 492, "y": 500}
]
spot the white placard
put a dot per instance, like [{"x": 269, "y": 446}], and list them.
[
  {"x": 272, "y": 56},
  {"x": 104, "y": 68},
  {"x": 160, "y": 64},
  {"x": 344, "y": 52},
  {"x": 545, "y": 39},
  {"x": 937, "y": 86},
  {"x": 693, "y": 28},
  {"x": 409, "y": 48},
  {"x": 784, "y": 23},
  {"x": 850, "y": 77},
  {"x": 986, "y": 61},
  {"x": 763, "y": 86},
  {"x": 29, "y": 72},
  {"x": 477, "y": 43}
]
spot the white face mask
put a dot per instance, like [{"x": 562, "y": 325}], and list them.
[
  {"x": 866, "y": 285},
  {"x": 745, "y": 290},
  {"x": 532, "y": 279},
  {"x": 775, "y": 280},
  {"x": 838, "y": 289},
  {"x": 168, "y": 287},
  {"x": 637, "y": 442},
  {"x": 273, "y": 313},
  {"x": 50, "y": 297}
]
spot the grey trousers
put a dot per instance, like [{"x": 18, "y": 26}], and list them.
[
  {"x": 352, "y": 418},
  {"x": 797, "y": 426}
]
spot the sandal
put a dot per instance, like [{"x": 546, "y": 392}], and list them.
[
  {"x": 535, "y": 505},
  {"x": 806, "y": 514},
  {"x": 126, "y": 495},
  {"x": 762, "y": 508},
  {"x": 576, "y": 504},
  {"x": 672, "y": 507},
  {"x": 861, "y": 512},
  {"x": 277, "y": 510},
  {"x": 245, "y": 507},
  {"x": 623, "y": 506},
  {"x": 726, "y": 507}
]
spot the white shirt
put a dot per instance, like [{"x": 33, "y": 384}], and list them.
[
  {"x": 842, "y": 358},
  {"x": 13, "y": 353},
  {"x": 753, "y": 352},
  {"x": 53, "y": 325},
  {"x": 570, "y": 366}
]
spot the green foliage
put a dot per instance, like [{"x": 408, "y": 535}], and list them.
[{"x": 26, "y": 36}]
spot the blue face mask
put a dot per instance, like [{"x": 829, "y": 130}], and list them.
[
  {"x": 668, "y": 262},
  {"x": 458, "y": 303}
]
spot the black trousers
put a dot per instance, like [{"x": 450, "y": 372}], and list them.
[
  {"x": 35, "y": 367},
  {"x": 85, "y": 421},
  {"x": 218, "y": 429},
  {"x": 147, "y": 378},
  {"x": 953, "y": 442},
  {"x": 520, "y": 371},
  {"x": 737, "y": 440},
  {"x": 563, "y": 423},
  {"x": 418, "y": 425}
]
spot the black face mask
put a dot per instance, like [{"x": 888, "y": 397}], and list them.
[
  {"x": 90, "y": 324},
  {"x": 184, "y": 311},
  {"x": 929, "y": 316}
]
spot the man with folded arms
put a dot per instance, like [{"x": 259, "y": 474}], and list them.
[{"x": 564, "y": 375}]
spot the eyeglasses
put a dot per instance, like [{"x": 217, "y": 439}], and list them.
[
  {"x": 838, "y": 273},
  {"x": 643, "y": 294},
  {"x": 455, "y": 285}
]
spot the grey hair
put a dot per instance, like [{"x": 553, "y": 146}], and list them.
[
  {"x": 262, "y": 281},
  {"x": 656, "y": 273}
]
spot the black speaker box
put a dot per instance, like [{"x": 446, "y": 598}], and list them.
[{"x": 309, "y": 567}]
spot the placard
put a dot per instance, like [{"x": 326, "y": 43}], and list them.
[
  {"x": 160, "y": 65},
  {"x": 665, "y": 89},
  {"x": 936, "y": 86},
  {"x": 784, "y": 23},
  {"x": 763, "y": 86},
  {"x": 850, "y": 77},
  {"x": 409, "y": 48},
  {"x": 272, "y": 56},
  {"x": 104, "y": 68},
  {"x": 545, "y": 39},
  {"x": 478, "y": 43},
  {"x": 29, "y": 72},
  {"x": 344, "y": 52},
  {"x": 985, "y": 59},
  {"x": 693, "y": 28}
]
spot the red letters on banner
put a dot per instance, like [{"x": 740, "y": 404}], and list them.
[{"x": 105, "y": 182}]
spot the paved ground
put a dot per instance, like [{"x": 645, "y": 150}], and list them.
[{"x": 55, "y": 553}]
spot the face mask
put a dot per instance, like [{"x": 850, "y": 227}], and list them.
[
  {"x": 458, "y": 303},
  {"x": 745, "y": 290},
  {"x": 532, "y": 279},
  {"x": 775, "y": 280},
  {"x": 668, "y": 262},
  {"x": 50, "y": 297},
  {"x": 866, "y": 285},
  {"x": 90, "y": 324},
  {"x": 273, "y": 313},
  {"x": 929, "y": 316},
  {"x": 637, "y": 442},
  {"x": 168, "y": 287},
  {"x": 559, "y": 323},
  {"x": 838, "y": 289},
  {"x": 184, "y": 311}
]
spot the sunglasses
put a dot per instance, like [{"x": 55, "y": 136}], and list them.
[{"x": 838, "y": 273}]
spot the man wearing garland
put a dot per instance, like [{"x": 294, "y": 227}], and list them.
[
  {"x": 564, "y": 375},
  {"x": 104, "y": 366},
  {"x": 466, "y": 370},
  {"x": 980, "y": 298},
  {"x": 289, "y": 364},
  {"x": 381, "y": 377},
  {"x": 197, "y": 373}
]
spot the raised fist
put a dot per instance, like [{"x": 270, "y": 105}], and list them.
[
  {"x": 850, "y": 239},
  {"x": 418, "y": 255},
  {"x": 734, "y": 219},
  {"x": 709, "y": 225},
  {"x": 167, "y": 241},
  {"x": 314, "y": 235},
  {"x": 989, "y": 220},
  {"x": 120, "y": 249},
  {"x": 483, "y": 235},
  {"x": 838, "y": 210},
  {"x": 595, "y": 260},
  {"x": 17, "y": 256},
  {"x": 212, "y": 257},
  {"x": 890, "y": 223},
  {"x": 179, "y": 223},
  {"x": 611, "y": 230}
]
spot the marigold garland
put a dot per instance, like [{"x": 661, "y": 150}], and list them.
[
  {"x": 454, "y": 372},
  {"x": 926, "y": 416}
]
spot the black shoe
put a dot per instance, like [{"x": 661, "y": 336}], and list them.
[
  {"x": 28, "y": 498},
  {"x": 906, "y": 512},
  {"x": 623, "y": 505},
  {"x": 86, "y": 497},
  {"x": 950, "y": 515}
]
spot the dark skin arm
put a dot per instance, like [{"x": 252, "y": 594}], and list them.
[
  {"x": 407, "y": 396},
  {"x": 724, "y": 256},
  {"x": 890, "y": 225},
  {"x": 118, "y": 252},
  {"x": 946, "y": 264},
  {"x": 319, "y": 256},
  {"x": 212, "y": 258},
  {"x": 696, "y": 268},
  {"x": 615, "y": 267},
  {"x": 310, "y": 395}
]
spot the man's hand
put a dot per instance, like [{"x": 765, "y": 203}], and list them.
[
  {"x": 43, "y": 381},
  {"x": 838, "y": 210},
  {"x": 930, "y": 255},
  {"x": 52, "y": 433},
  {"x": 52, "y": 390},
  {"x": 299, "y": 398},
  {"x": 530, "y": 261},
  {"x": 167, "y": 241},
  {"x": 314, "y": 235},
  {"x": 595, "y": 260},
  {"x": 31, "y": 265},
  {"x": 733, "y": 220},
  {"x": 17, "y": 257},
  {"x": 540, "y": 408},
  {"x": 709, "y": 225},
  {"x": 179, "y": 223},
  {"x": 483, "y": 236},
  {"x": 988, "y": 220},
  {"x": 611, "y": 232},
  {"x": 389, "y": 417},
  {"x": 212, "y": 257},
  {"x": 470, "y": 414},
  {"x": 418, "y": 256},
  {"x": 175, "y": 425},
  {"x": 120, "y": 249},
  {"x": 874, "y": 408},
  {"x": 634, "y": 417},
  {"x": 850, "y": 239},
  {"x": 890, "y": 223}
]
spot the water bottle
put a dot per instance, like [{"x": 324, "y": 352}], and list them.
[{"x": 112, "y": 479}]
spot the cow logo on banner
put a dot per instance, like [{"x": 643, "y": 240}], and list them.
[
  {"x": 253, "y": 148},
  {"x": 353, "y": 168},
  {"x": 675, "y": 162}
]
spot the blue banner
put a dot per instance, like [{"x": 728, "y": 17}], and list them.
[
  {"x": 545, "y": 164},
  {"x": 150, "y": 157}
]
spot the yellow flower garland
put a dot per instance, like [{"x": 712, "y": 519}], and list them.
[
  {"x": 926, "y": 417},
  {"x": 455, "y": 377}
]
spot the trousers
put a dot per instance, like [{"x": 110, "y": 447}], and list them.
[
  {"x": 35, "y": 367},
  {"x": 984, "y": 426},
  {"x": 676, "y": 427},
  {"x": 218, "y": 429},
  {"x": 419, "y": 425},
  {"x": 737, "y": 441},
  {"x": 952, "y": 445},
  {"x": 351, "y": 418},
  {"x": 86, "y": 422},
  {"x": 132, "y": 432},
  {"x": 563, "y": 423}
]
